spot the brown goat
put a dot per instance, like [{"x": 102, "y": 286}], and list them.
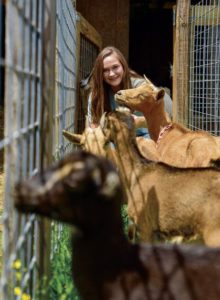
[
  {"x": 175, "y": 201},
  {"x": 84, "y": 190},
  {"x": 176, "y": 145},
  {"x": 95, "y": 141}
]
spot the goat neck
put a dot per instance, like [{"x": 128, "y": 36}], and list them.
[
  {"x": 97, "y": 261},
  {"x": 94, "y": 254},
  {"x": 156, "y": 117},
  {"x": 122, "y": 132}
]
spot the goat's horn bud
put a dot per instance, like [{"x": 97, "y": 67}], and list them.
[
  {"x": 147, "y": 80},
  {"x": 72, "y": 137},
  {"x": 87, "y": 122},
  {"x": 102, "y": 120}
]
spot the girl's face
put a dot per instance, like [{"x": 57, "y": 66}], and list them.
[{"x": 113, "y": 72}]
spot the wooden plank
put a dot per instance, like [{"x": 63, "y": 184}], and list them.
[
  {"x": 180, "y": 79},
  {"x": 85, "y": 28},
  {"x": 174, "y": 79}
]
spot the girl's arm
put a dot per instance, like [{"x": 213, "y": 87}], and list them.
[
  {"x": 89, "y": 109},
  {"x": 139, "y": 121}
]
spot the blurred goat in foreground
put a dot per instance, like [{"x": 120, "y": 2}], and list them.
[{"x": 85, "y": 191}]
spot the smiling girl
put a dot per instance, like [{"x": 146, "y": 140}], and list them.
[{"x": 110, "y": 74}]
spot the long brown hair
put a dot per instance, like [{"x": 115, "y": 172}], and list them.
[{"x": 100, "y": 101}]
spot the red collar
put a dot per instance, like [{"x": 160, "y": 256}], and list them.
[{"x": 163, "y": 130}]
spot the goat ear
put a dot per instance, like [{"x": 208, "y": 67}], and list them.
[
  {"x": 142, "y": 97},
  {"x": 111, "y": 185},
  {"x": 72, "y": 137},
  {"x": 160, "y": 94},
  {"x": 84, "y": 180}
]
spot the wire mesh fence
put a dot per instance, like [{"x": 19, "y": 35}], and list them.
[
  {"x": 65, "y": 77},
  {"x": 65, "y": 91},
  {"x": 38, "y": 102},
  {"x": 39, "y": 86},
  {"x": 204, "y": 66},
  {"x": 21, "y": 142}
]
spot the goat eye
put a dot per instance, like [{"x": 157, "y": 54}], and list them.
[
  {"x": 74, "y": 179},
  {"x": 142, "y": 97}
]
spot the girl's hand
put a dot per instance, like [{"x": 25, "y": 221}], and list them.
[{"x": 139, "y": 121}]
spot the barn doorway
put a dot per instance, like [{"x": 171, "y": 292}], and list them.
[{"x": 151, "y": 40}]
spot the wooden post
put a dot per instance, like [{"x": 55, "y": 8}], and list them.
[
  {"x": 48, "y": 96},
  {"x": 180, "y": 65}
]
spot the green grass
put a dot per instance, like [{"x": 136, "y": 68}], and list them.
[{"x": 61, "y": 285}]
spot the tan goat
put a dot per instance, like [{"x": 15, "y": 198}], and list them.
[
  {"x": 92, "y": 140},
  {"x": 85, "y": 191},
  {"x": 175, "y": 201},
  {"x": 176, "y": 144},
  {"x": 95, "y": 141}
]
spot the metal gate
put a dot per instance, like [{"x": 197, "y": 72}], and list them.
[
  {"x": 204, "y": 67},
  {"x": 38, "y": 61},
  {"x": 196, "y": 88}
]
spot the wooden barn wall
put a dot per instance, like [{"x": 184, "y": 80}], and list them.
[{"x": 110, "y": 19}]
